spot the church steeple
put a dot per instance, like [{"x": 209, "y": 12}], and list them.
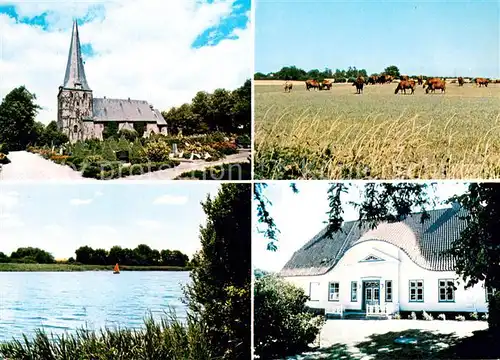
[{"x": 75, "y": 73}]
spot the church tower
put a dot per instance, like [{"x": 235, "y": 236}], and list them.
[{"x": 74, "y": 100}]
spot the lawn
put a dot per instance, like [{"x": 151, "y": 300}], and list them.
[{"x": 337, "y": 134}]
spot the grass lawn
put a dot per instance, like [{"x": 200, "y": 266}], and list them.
[
  {"x": 337, "y": 134},
  {"x": 69, "y": 267}
]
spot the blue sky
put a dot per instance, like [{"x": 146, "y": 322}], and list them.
[
  {"x": 62, "y": 217},
  {"x": 160, "y": 51},
  {"x": 301, "y": 216},
  {"x": 443, "y": 38}
]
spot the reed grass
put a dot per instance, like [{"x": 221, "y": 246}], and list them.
[
  {"x": 378, "y": 135},
  {"x": 167, "y": 338}
]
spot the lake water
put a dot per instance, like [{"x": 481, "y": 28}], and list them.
[{"x": 65, "y": 301}]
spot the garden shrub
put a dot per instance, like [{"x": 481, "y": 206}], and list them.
[
  {"x": 412, "y": 316},
  {"x": 292, "y": 327},
  {"x": 129, "y": 135},
  {"x": 474, "y": 315},
  {"x": 442, "y": 317},
  {"x": 225, "y": 147},
  {"x": 157, "y": 151},
  {"x": 460, "y": 318},
  {"x": 494, "y": 311},
  {"x": 4, "y": 159},
  {"x": 110, "y": 130},
  {"x": 244, "y": 141},
  {"x": 484, "y": 317},
  {"x": 4, "y": 149},
  {"x": 397, "y": 316},
  {"x": 427, "y": 316}
]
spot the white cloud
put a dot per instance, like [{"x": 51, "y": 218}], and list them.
[
  {"x": 171, "y": 200},
  {"x": 78, "y": 202},
  {"x": 8, "y": 200},
  {"x": 150, "y": 224},
  {"x": 142, "y": 51},
  {"x": 10, "y": 221}
]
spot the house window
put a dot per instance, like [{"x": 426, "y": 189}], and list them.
[
  {"x": 446, "y": 290},
  {"x": 75, "y": 128},
  {"x": 333, "y": 293},
  {"x": 314, "y": 291},
  {"x": 489, "y": 293},
  {"x": 354, "y": 291},
  {"x": 416, "y": 290},
  {"x": 388, "y": 291}
]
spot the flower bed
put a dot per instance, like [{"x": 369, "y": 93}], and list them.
[{"x": 114, "y": 158}]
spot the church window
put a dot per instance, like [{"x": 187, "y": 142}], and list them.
[
  {"x": 446, "y": 290},
  {"x": 416, "y": 290},
  {"x": 75, "y": 128}
]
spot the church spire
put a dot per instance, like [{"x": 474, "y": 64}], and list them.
[{"x": 75, "y": 74}]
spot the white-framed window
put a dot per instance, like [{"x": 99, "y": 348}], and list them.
[
  {"x": 416, "y": 290},
  {"x": 333, "y": 291},
  {"x": 446, "y": 290},
  {"x": 388, "y": 291},
  {"x": 354, "y": 291},
  {"x": 314, "y": 291}
]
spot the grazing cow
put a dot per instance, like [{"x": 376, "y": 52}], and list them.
[
  {"x": 481, "y": 81},
  {"x": 372, "y": 80},
  {"x": 436, "y": 84},
  {"x": 420, "y": 80},
  {"x": 430, "y": 81},
  {"x": 404, "y": 77},
  {"x": 405, "y": 84},
  {"x": 325, "y": 84},
  {"x": 360, "y": 81},
  {"x": 460, "y": 81},
  {"x": 312, "y": 84},
  {"x": 288, "y": 86}
]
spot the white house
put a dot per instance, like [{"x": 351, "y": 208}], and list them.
[{"x": 394, "y": 267}]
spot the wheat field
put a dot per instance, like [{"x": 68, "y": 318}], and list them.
[{"x": 337, "y": 134}]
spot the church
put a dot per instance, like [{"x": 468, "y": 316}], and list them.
[
  {"x": 81, "y": 116},
  {"x": 394, "y": 267}
]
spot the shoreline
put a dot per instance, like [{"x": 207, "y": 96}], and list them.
[{"x": 19, "y": 267}]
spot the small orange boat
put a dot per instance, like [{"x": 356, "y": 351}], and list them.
[{"x": 116, "y": 270}]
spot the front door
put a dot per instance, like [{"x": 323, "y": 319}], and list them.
[{"x": 371, "y": 293}]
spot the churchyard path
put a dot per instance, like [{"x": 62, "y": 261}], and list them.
[
  {"x": 183, "y": 167},
  {"x": 26, "y": 166}
]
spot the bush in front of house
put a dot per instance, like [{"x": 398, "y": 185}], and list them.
[
  {"x": 129, "y": 135},
  {"x": 4, "y": 160},
  {"x": 427, "y": 316},
  {"x": 157, "y": 151},
  {"x": 244, "y": 141},
  {"x": 442, "y": 317},
  {"x": 474, "y": 315},
  {"x": 225, "y": 147},
  {"x": 412, "y": 316},
  {"x": 460, "y": 318},
  {"x": 292, "y": 328},
  {"x": 397, "y": 316}
]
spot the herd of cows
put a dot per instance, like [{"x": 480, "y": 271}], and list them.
[{"x": 404, "y": 83}]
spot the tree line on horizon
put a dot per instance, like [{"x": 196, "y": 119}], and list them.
[
  {"x": 142, "y": 255},
  {"x": 340, "y": 75}
]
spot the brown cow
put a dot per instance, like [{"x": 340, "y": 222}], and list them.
[
  {"x": 436, "y": 84},
  {"x": 460, "y": 81},
  {"x": 429, "y": 81},
  {"x": 481, "y": 81},
  {"x": 312, "y": 84},
  {"x": 359, "y": 83},
  {"x": 326, "y": 84},
  {"x": 420, "y": 80},
  {"x": 288, "y": 86},
  {"x": 372, "y": 80},
  {"x": 404, "y": 77},
  {"x": 405, "y": 84}
]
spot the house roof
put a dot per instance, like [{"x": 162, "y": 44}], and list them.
[
  {"x": 125, "y": 110},
  {"x": 423, "y": 243},
  {"x": 75, "y": 73}
]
